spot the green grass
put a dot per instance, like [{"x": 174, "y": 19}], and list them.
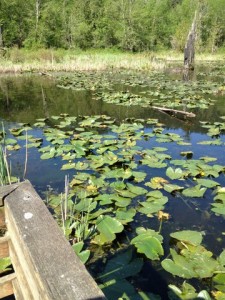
[{"x": 46, "y": 60}]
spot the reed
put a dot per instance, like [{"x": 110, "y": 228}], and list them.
[
  {"x": 43, "y": 60},
  {"x": 72, "y": 220},
  {"x": 49, "y": 60},
  {"x": 4, "y": 168}
]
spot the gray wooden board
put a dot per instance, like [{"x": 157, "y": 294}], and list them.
[
  {"x": 56, "y": 266},
  {"x": 6, "y": 190}
]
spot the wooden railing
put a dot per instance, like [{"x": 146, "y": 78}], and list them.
[{"x": 45, "y": 265}]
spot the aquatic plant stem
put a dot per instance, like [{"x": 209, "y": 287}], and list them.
[
  {"x": 63, "y": 215},
  {"x": 7, "y": 168},
  {"x": 5, "y": 171},
  {"x": 160, "y": 225},
  {"x": 26, "y": 158}
]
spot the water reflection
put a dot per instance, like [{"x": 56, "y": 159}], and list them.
[
  {"x": 25, "y": 98},
  {"x": 28, "y": 97}
]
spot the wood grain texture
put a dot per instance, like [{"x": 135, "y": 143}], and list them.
[
  {"x": 6, "y": 286},
  {"x": 24, "y": 276},
  {"x": 17, "y": 290},
  {"x": 4, "y": 247},
  {"x": 51, "y": 268},
  {"x": 2, "y": 217},
  {"x": 6, "y": 190}
]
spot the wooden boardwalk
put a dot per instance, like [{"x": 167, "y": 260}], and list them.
[{"x": 45, "y": 265}]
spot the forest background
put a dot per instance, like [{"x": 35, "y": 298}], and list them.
[{"x": 128, "y": 25}]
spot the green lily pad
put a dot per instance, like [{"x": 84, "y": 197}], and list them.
[
  {"x": 86, "y": 204},
  {"x": 115, "y": 289},
  {"x": 196, "y": 192},
  {"x": 107, "y": 226},
  {"x": 83, "y": 255},
  {"x": 154, "y": 203},
  {"x": 175, "y": 173},
  {"x": 121, "y": 266},
  {"x": 125, "y": 216},
  {"x": 188, "y": 236},
  {"x": 137, "y": 190},
  {"x": 189, "y": 263},
  {"x": 139, "y": 176},
  {"x": 187, "y": 291},
  {"x": 207, "y": 183},
  {"x": 170, "y": 188},
  {"x": 219, "y": 281},
  {"x": 148, "y": 242}
]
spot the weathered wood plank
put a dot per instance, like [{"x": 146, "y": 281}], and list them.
[
  {"x": 6, "y": 287},
  {"x": 6, "y": 190},
  {"x": 2, "y": 217},
  {"x": 4, "y": 247},
  {"x": 52, "y": 269},
  {"x": 17, "y": 290},
  {"x": 18, "y": 260}
]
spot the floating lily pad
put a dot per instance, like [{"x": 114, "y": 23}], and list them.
[
  {"x": 219, "y": 281},
  {"x": 187, "y": 291},
  {"x": 83, "y": 255},
  {"x": 107, "y": 226},
  {"x": 175, "y": 173},
  {"x": 189, "y": 263},
  {"x": 196, "y": 191},
  {"x": 149, "y": 242},
  {"x": 188, "y": 236}
]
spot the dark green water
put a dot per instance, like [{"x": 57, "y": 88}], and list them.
[{"x": 25, "y": 98}]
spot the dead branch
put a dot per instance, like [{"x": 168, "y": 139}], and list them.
[{"x": 174, "y": 111}]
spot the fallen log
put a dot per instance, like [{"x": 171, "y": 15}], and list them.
[{"x": 174, "y": 111}]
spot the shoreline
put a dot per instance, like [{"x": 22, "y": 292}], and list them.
[{"x": 46, "y": 60}]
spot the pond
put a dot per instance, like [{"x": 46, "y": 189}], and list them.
[{"x": 146, "y": 184}]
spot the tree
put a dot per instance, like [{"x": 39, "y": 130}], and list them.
[
  {"x": 133, "y": 25},
  {"x": 14, "y": 22}
]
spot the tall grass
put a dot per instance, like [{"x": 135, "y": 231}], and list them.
[
  {"x": 44, "y": 60},
  {"x": 4, "y": 168},
  {"x": 72, "y": 220},
  {"x": 17, "y": 61}
]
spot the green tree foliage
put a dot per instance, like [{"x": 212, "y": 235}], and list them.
[
  {"x": 213, "y": 25},
  {"x": 133, "y": 25}
]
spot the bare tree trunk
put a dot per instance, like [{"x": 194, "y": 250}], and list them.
[
  {"x": 189, "y": 51},
  {"x": 37, "y": 18},
  {"x": 153, "y": 24},
  {"x": 1, "y": 40}
]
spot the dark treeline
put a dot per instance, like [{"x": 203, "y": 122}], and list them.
[{"x": 133, "y": 25}]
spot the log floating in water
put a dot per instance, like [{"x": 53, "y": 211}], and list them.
[{"x": 174, "y": 111}]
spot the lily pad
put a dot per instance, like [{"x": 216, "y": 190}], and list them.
[
  {"x": 107, "y": 226},
  {"x": 175, "y": 173},
  {"x": 196, "y": 192},
  {"x": 83, "y": 255},
  {"x": 188, "y": 236},
  {"x": 189, "y": 263},
  {"x": 149, "y": 243}
]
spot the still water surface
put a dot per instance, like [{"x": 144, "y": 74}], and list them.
[{"x": 25, "y": 98}]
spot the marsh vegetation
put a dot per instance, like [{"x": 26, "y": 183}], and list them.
[{"x": 143, "y": 199}]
